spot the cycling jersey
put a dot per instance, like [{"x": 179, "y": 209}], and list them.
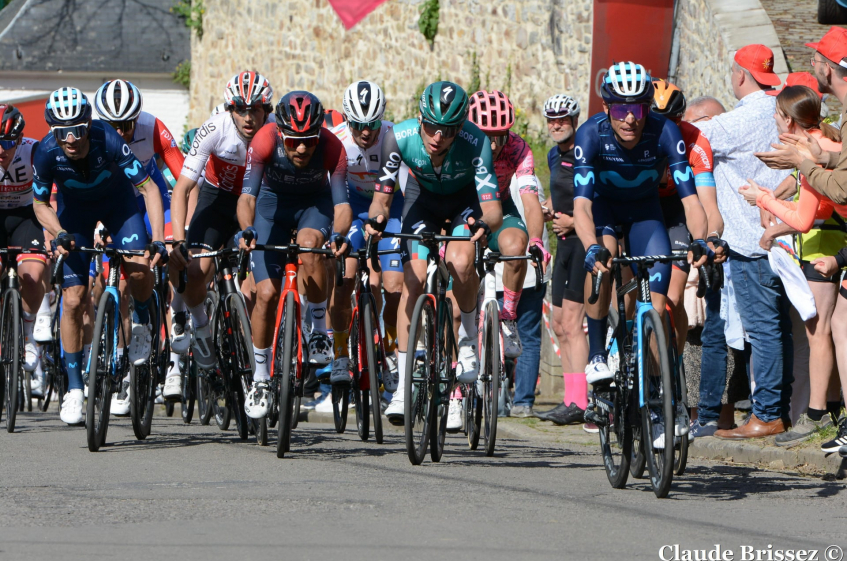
[
  {"x": 269, "y": 169},
  {"x": 109, "y": 170},
  {"x": 152, "y": 138},
  {"x": 469, "y": 157},
  {"x": 16, "y": 181},
  {"x": 699, "y": 153},
  {"x": 363, "y": 166},
  {"x": 561, "y": 166},
  {"x": 604, "y": 166},
  {"x": 219, "y": 154},
  {"x": 515, "y": 158}
]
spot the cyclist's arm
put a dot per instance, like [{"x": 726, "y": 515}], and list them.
[
  {"x": 246, "y": 210},
  {"x": 165, "y": 146},
  {"x": 533, "y": 214},
  {"x": 138, "y": 176},
  {"x": 486, "y": 186},
  {"x": 682, "y": 175},
  {"x": 155, "y": 209},
  {"x": 387, "y": 181},
  {"x": 260, "y": 151},
  {"x": 586, "y": 148},
  {"x": 335, "y": 163},
  {"x": 192, "y": 168},
  {"x": 42, "y": 189}
]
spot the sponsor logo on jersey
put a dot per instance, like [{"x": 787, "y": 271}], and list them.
[
  {"x": 204, "y": 131},
  {"x": 19, "y": 176},
  {"x": 406, "y": 133},
  {"x": 679, "y": 177},
  {"x": 471, "y": 139}
]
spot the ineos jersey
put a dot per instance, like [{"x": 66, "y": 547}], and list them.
[
  {"x": 219, "y": 153},
  {"x": 362, "y": 165},
  {"x": 604, "y": 166},
  {"x": 561, "y": 166},
  {"x": 16, "y": 180}
]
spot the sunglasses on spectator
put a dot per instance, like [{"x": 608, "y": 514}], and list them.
[
  {"x": 8, "y": 144},
  {"x": 372, "y": 125},
  {"x": 63, "y": 133},
  {"x": 433, "y": 129},
  {"x": 500, "y": 139},
  {"x": 292, "y": 142},
  {"x": 619, "y": 111}
]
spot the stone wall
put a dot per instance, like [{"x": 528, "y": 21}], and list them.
[{"x": 529, "y": 48}]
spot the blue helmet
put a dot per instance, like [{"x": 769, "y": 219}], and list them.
[
  {"x": 627, "y": 82},
  {"x": 67, "y": 106}
]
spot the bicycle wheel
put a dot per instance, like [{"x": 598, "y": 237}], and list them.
[
  {"x": 285, "y": 367},
  {"x": 102, "y": 366},
  {"x": 359, "y": 395},
  {"x": 244, "y": 362},
  {"x": 420, "y": 379},
  {"x": 10, "y": 353},
  {"x": 361, "y": 406},
  {"x": 223, "y": 414},
  {"x": 658, "y": 406},
  {"x": 204, "y": 398},
  {"x": 143, "y": 379},
  {"x": 340, "y": 404},
  {"x": 638, "y": 463},
  {"x": 375, "y": 364},
  {"x": 189, "y": 388},
  {"x": 443, "y": 386},
  {"x": 491, "y": 375},
  {"x": 473, "y": 415},
  {"x": 681, "y": 393}
]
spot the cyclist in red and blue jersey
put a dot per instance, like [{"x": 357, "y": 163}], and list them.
[
  {"x": 95, "y": 172},
  {"x": 620, "y": 156}
]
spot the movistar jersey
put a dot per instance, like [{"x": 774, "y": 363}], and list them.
[
  {"x": 607, "y": 168},
  {"x": 469, "y": 159},
  {"x": 109, "y": 169}
]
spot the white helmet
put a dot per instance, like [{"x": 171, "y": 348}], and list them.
[
  {"x": 118, "y": 100},
  {"x": 248, "y": 88},
  {"x": 67, "y": 106},
  {"x": 218, "y": 109},
  {"x": 561, "y": 105},
  {"x": 627, "y": 82},
  {"x": 363, "y": 102}
]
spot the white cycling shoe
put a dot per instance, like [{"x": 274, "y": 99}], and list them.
[
  {"x": 396, "y": 410},
  {"x": 71, "y": 412},
  {"x": 467, "y": 369},
  {"x": 31, "y": 352},
  {"x": 173, "y": 387},
  {"x": 140, "y": 343},
  {"x": 256, "y": 404},
  {"x": 454, "y": 416},
  {"x": 41, "y": 332},
  {"x": 120, "y": 401},
  {"x": 180, "y": 337},
  {"x": 320, "y": 349},
  {"x": 597, "y": 371}
]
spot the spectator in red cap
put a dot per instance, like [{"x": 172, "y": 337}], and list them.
[
  {"x": 799, "y": 79},
  {"x": 757, "y": 60}
]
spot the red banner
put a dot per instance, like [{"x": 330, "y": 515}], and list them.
[
  {"x": 640, "y": 31},
  {"x": 352, "y": 12}
]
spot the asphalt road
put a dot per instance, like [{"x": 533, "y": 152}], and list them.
[{"x": 197, "y": 493}]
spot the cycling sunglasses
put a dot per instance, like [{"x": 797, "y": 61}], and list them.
[
  {"x": 62, "y": 133},
  {"x": 292, "y": 142},
  {"x": 243, "y": 110},
  {"x": 446, "y": 132},
  {"x": 500, "y": 139},
  {"x": 123, "y": 125},
  {"x": 8, "y": 144},
  {"x": 373, "y": 125},
  {"x": 619, "y": 111}
]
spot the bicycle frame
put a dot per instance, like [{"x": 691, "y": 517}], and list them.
[{"x": 289, "y": 284}]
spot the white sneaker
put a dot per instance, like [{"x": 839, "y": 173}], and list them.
[
  {"x": 120, "y": 401},
  {"x": 325, "y": 405},
  {"x": 42, "y": 332},
  {"x": 72, "y": 408},
  {"x": 139, "y": 344},
  {"x": 256, "y": 404},
  {"x": 204, "y": 350},
  {"x": 454, "y": 416},
  {"x": 681, "y": 423},
  {"x": 390, "y": 376},
  {"x": 512, "y": 347},
  {"x": 597, "y": 371},
  {"x": 31, "y": 354},
  {"x": 396, "y": 410},
  {"x": 467, "y": 369},
  {"x": 180, "y": 339},
  {"x": 320, "y": 349},
  {"x": 173, "y": 387},
  {"x": 340, "y": 371}
]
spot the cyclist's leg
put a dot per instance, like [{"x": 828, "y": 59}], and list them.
[
  {"x": 391, "y": 277},
  {"x": 23, "y": 230},
  {"x": 314, "y": 224},
  {"x": 340, "y": 306},
  {"x": 645, "y": 234},
  {"x": 680, "y": 238}
]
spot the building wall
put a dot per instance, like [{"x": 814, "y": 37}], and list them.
[{"x": 529, "y": 48}]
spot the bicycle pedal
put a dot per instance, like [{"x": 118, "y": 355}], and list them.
[{"x": 592, "y": 417}]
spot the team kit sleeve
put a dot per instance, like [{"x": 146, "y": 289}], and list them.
[
  {"x": 204, "y": 142},
  {"x": 335, "y": 163},
  {"x": 391, "y": 159},
  {"x": 165, "y": 146},
  {"x": 678, "y": 167},
  {"x": 701, "y": 160},
  {"x": 259, "y": 153},
  {"x": 525, "y": 172},
  {"x": 586, "y": 149},
  {"x": 484, "y": 175},
  {"x": 126, "y": 160},
  {"x": 42, "y": 175}
]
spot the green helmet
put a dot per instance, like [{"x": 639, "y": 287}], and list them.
[
  {"x": 187, "y": 141},
  {"x": 444, "y": 103}
]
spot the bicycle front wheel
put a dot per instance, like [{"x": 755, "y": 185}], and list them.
[
  {"x": 420, "y": 375},
  {"x": 285, "y": 367},
  {"x": 102, "y": 364},
  {"x": 443, "y": 384},
  {"x": 188, "y": 395},
  {"x": 490, "y": 375},
  {"x": 243, "y": 362},
  {"x": 657, "y": 413},
  {"x": 375, "y": 364},
  {"x": 473, "y": 415},
  {"x": 10, "y": 354},
  {"x": 360, "y": 398},
  {"x": 681, "y": 396}
]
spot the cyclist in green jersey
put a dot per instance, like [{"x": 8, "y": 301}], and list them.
[{"x": 451, "y": 179}]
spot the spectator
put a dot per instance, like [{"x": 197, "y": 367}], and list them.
[{"x": 762, "y": 304}]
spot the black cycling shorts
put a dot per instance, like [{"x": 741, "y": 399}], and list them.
[
  {"x": 21, "y": 228},
  {"x": 215, "y": 221},
  {"x": 569, "y": 271},
  {"x": 813, "y": 276},
  {"x": 674, "y": 214}
]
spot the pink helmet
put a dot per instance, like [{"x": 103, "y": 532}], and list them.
[{"x": 491, "y": 111}]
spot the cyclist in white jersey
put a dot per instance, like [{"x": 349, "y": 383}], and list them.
[
  {"x": 219, "y": 154},
  {"x": 362, "y": 135},
  {"x": 20, "y": 228}
]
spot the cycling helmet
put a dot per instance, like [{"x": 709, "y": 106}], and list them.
[
  {"x": 363, "y": 102},
  {"x": 299, "y": 113},
  {"x": 333, "y": 118},
  {"x": 561, "y": 105},
  {"x": 491, "y": 111},
  {"x": 187, "y": 141},
  {"x": 217, "y": 110},
  {"x": 67, "y": 106},
  {"x": 444, "y": 103},
  {"x": 118, "y": 100},
  {"x": 668, "y": 100},
  {"x": 11, "y": 123},
  {"x": 627, "y": 82},
  {"x": 248, "y": 88}
]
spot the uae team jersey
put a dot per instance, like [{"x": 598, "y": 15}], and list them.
[
  {"x": 515, "y": 159},
  {"x": 16, "y": 180},
  {"x": 699, "y": 153},
  {"x": 608, "y": 169}
]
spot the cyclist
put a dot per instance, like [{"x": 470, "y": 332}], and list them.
[
  {"x": 451, "y": 179},
  {"x": 362, "y": 135},
  {"x": 296, "y": 179},
  {"x": 620, "y": 155},
  {"x": 94, "y": 171},
  {"x": 21, "y": 229},
  {"x": 669, "y": 101},
  {"x": 119, "y": 103},
  {"x": 218, "y": 154}
]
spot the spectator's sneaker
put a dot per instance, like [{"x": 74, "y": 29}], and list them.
[
  {"x": 72, "y": 408},
  {"x": 840, "y": 440},
  {"x": 325, "y": 406},
  {"x": 204, "y": 349},
  {"x": 310, "y": 405},
  {"x": 697, "y": 430},
  {"x": 340, "y": 371},
  {"x": 521, "y": 411},
  {"x": 31, "y": 351},
  {"x": 454, "y": 416},
  {"x": 597, "y": 371},
  {"x": 256, "y": 403},
  {"x": 681, "y": 420},
  {"x": 173, "y": 387},
  {"x": 120, "y": 401},
  {"x": 180, "y": 340},
  {"x": 803, "y": 430},
  {"x": 396, "y": 410},
  {"x": 512, "y": 347},
  {"x": 467, "y": 369},
  {"x": 139, "y": 344},
  {"x": 41, "y": 332},
  {"x": 390, "y": 377},
  {"x": 591, "y": 428},
  {"x": 564, "y": 414},
  {"x": 320, "y": 349}
]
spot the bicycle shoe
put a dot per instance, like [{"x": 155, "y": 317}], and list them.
[
  {"x": 120, "y": 401},
  {"x": 72, "y": 408},
  {"x": 180, "y": 340},
  {"x": 340, "y": 371},
  {"x": 256, "y": 404},
  {"x": 204, "y": 350},
  {"x": 139, "y": 344},
  {"x": 173, "y": 388},
  {"x": 320, "y": 349},
  {"x": 454, "y": 416},
  {"x": 512, "y": 347},
  {"x": 467, "y": 368},
  {"x": 597, "y": 371}
]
